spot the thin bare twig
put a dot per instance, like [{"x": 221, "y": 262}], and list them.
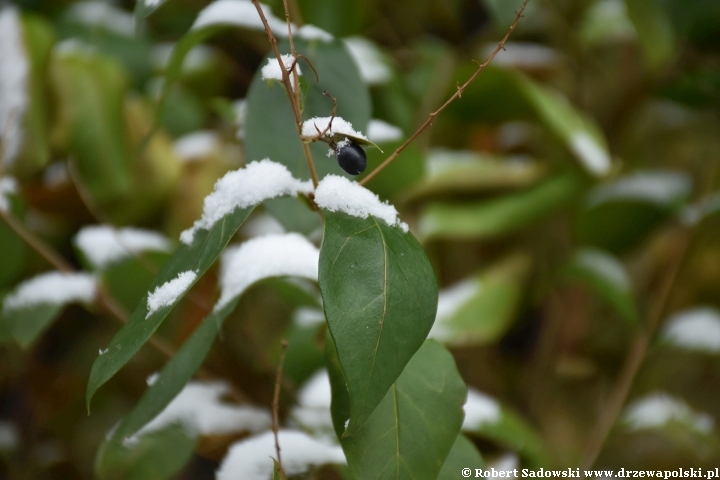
[
  {"x": 293, "y": 94},
  {"x": 458, "y": 93},
  {"x": 276, "y": 403}
]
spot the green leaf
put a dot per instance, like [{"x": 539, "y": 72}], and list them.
[
  {"x": 197, "y": 257},
  {"x": 26, "y": 324},
  {"x": 294, "y": 214},
  {"x": 271, "y": 130},
  {"x": 277, "y": 471},
  {"x": 607, "y": 277},
  {"x": 462, "y": 455},
  {"x": 412, "y": 430},
  {"x": 159, "y": 455},
  {"x": 380, "y": 296},
  {"x": 498, "y": 216},
  {"x": 482, "y": 308},
  {"x": 616, "y": 216},
  {"x": 655, "y": 31}
]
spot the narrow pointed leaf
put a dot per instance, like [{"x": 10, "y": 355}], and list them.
[
  {"x": 380, "y": 296},
  {"x": 411, "y": 432}
]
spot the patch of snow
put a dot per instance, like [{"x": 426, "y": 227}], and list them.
[
  {"x": 694, "y": 329},
  {"x": 258, "y": 181},
  {"x": 198, "y": 407},
  {"x": 272, "y": 70},
  {"x": 662, "y": 188},
  {"x": 240, "y": 108},
  {"x": 53, "y": 288},
  {"x": 103, "y": 352},
  {"x": 370, "y": 61},
  {"x": 380, "y": 131},
  {"x": 167, "y": 293},
  {"x": 98, "y": 13},
  {"x": 196, "y": 145},
  {"x": 153, "y": 3},
  {"x": 104, "y": 245},
  {"x": 9, "y": 436},
  {"x": 339, "y": 126},
  {"x": 657, "y": 409},
  {"x": 605, "y": 266},
  {"x": 508, "y": 462},
  {"x": 523, "y": 55},
  {"x": 480, "y": 409},
  {"x": 313, "y": 409},
  {"x": 197, "y": 58},
  {"x": 288, "y": 254},
  {"x": 250, "y": 459},
  {"x": 311, "y": 32},
  {"x": 308, "y": 317},
  {"x": 13, "y": 85},
  {"x": 595, "y": 158},
  {"x": 239, "y": 13},
  {"x": 8, "y": 186},
  {"x": 74, "y": 46},
  {"x": 336, "y": 193},
  {"x": 450, "y": 301},
  {"x": 152, "y": 378}
]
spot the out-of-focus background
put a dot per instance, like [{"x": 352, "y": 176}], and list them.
[{"x": 569, "y": 202}]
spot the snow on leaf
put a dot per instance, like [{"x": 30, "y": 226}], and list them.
[
  {"x": 336, "y": 193},
  {"x": 8, "y": 185},
  {"x": 103, "y": 245},
  {"x": 166, "y": 294},
  {"x": 196, "y": 145},
  {"x": 380, "y": 131},
  {"x": 250, "y": 459},
  {"x": 313, "y": 408},
  {"x": 480, "y": 409},
  {"x": 659, "y": 408},
  {"x": 272, "y": 70},
  {"x": 339, "y": 126},
  {"x": 239, "y": 13},
  {"x": 694, "y": 329},
  {"x": 258, "y": 181},
  {"x": 593, "y": 156},
  {"x": 97, "y": 13},
  {"x": 663, "y": 188},
  {"x": 54, "y": 288},
  {"x": 371, "y": 63},
  {"x": 277, "y": 255}
]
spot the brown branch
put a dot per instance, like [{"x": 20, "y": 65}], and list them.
[
  {"x": 458, "y": 93},
  {"x": 276, "y": 403},
  {"x": 293, "y": 94}
]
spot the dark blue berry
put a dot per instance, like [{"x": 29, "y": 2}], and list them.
[{"x": 352, "y": 158}]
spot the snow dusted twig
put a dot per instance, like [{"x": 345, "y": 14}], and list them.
[
  {"x": 293, "y": 93},
  {"x": 276, "y": 399},
  {"x": 457, "y": 94}
]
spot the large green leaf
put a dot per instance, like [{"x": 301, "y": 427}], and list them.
[
  {"x": 196, "y": 257},
  {"x": 271, "y": 130},
  {"x": 462, "y": 455},
  {"x": 380, "y": 296},
  {"x": 607, "y": 277},
  {"x": 412, "y": 430},
  {"x": 499, "y": 216},
  {"x": 481, "y": 309}
]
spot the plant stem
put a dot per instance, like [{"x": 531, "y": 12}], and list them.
[
  {"x": 276, "y": 402},
  {"x": 457, "y": 94},
  {"x": 293, "y": 93}
]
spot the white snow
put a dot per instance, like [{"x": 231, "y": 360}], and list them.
[
  {"x": 250, "y": 459},
  {"x": 258, "y": 181},
  {"x": 694, "y": 214},
  {"x": 595, "y": 158},
  {"x": 167, "y": 293},
  {"x": 240, "y": 107},
  {"x": 339, "y": 126},
  {"x": 54, "y": 288},
  {"x": 659, "y": 187},
  {"x": 507, "y": 462},
  {"x": 336, "y": 193},
  {"x": 694, "y": 329},
  {"x": 104, "y": 245},
  {"x": 198, "y": 407},
  {"x": 525, "y": 55},
  {"x": 103, "y": 352},
  {"x": 370, "y": 61},
  {"x": 313, "y": 409},
  {"x": 8, "y": 185},
  {"x": 152, "y": 378},
  {"x": 153, "y": 3},
  {"x": 311, "y": 32},
  {"x": 196, "y": 145},
  {"x": 262, "y": 224},
  {"x": 604, "y": 266},
  {"x": 450, "y": 300},
  {"x": 272, "y": 70},
  {"x": 308, "y": 317},
  {"x": 659, "y": 408},
  {"x": 288, "y": 254},
  {"x": 380, "y": 131},
  {"x": 480, "y": 409},
  {"x": 98, "y": 13},
  {"x": 200, "y": 56},
  {"x": 239, "y": 13},
  {"x": 13, "y": 85}
]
